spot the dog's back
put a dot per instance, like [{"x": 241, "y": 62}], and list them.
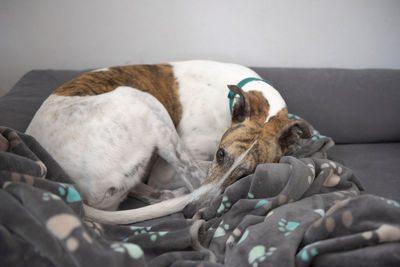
[{"x": 157, "y": 80}]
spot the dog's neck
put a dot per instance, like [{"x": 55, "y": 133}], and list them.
[
  {"x": 274, "y": 100},
  {"x": 241, "y": 84}
]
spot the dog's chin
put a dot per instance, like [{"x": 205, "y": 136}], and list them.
[
  {"x": 229, "y": 182},
  {"x": 241, "y": 177}
]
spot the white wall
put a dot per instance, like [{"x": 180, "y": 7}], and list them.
[{"x": 78, "y": 34}]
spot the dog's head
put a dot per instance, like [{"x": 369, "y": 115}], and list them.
[{"x": 252, "y": 139}]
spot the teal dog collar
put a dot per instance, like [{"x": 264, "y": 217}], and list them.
[{"x": 242, "y": 83}]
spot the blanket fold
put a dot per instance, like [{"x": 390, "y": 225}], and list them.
[{"x": 305, "y": 210}]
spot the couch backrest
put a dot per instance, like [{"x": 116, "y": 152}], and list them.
[
  {"x": 351, "y": 106},
  {"x": 20, "y": 104}
]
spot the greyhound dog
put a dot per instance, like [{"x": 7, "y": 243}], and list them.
[{"x": 104, "y": 127}]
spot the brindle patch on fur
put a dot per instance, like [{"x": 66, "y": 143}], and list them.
[
  {"x": 259, "y": 106},
  {"x": 158, "y": 80},
  {"x": 251, "y": 105},
  {"x": 277, "y": 122},
  {"x": 263, "y": 137}
]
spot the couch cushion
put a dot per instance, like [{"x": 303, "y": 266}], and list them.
[
  {"x": 351, "y": 106},
  {"x": 376, "y": 165}
]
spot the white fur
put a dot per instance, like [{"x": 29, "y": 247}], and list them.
[
  {"x": 91, "y": 142},
  {"x": 275, "y": 100},
  {"x": 102, "y": 69},
  {"x": 106, "y": 141}
]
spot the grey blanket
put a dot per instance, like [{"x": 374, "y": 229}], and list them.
[{"x": 304, "y": 211}]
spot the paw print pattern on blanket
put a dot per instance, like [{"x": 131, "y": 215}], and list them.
[
  {"x": 333, "y": 178},
  {"x": 69, "y": 192},
  {"x": 261, "y": 203},
  {"x": 258, "y": 254},
  {"x": 221, "y": 230},
  {"x": 287, "y": 227},
  {"x": 11, "y": 142},
  {"x": 133, "y": 250},
  {"x": 362, "y": 230},
  {"x": 309, "y": 252},
  {"x": 244, "y": 236},
  {"x": 140, "y": 230},
  {"x": 47, "y": 196},
  {"x": 62, "y": 227},
  {"x": 225, "y": 205}
]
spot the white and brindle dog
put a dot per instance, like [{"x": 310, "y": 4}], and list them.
[{"x": 104, "y": 127}]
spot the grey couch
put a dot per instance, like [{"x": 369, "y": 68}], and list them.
[
  {"x": 299, "y": 212},
  {"x": 359, "y": 109}
]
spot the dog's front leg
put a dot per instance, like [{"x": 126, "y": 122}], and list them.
[{"x": 172, "y": 150}]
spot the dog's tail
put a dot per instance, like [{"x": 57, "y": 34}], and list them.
[{"x": 137, "y": 215}]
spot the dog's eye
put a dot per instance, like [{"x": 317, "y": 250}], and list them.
[{"x": 220, "y": 155}]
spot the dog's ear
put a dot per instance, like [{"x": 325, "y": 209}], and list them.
[
  {"x": 292, "y": 132},
  {"x": 240, "y": 106}
]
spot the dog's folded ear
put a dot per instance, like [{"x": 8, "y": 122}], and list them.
[
  {"x": 292, "y": 132},
  {"x": 240, "y": 106}
]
